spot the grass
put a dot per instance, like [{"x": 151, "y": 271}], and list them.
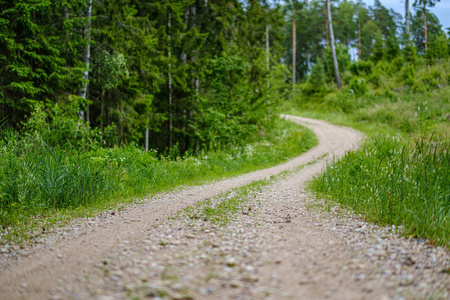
[
  {"x": 42, "y": 185},
  {"x": 401, "y": 174},
  {"x": 221, "y": 209},
  {"x": 393, "y": 182}
]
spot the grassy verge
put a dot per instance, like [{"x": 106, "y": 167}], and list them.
[
  {"x": 42, "y": 185},
  {"x": 401, "y": 175},
  {"x": 391, "y": 181}
]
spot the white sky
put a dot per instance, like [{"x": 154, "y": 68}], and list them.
[{"x": 441, "y": 9}]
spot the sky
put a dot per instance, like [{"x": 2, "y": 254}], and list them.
[{"x": 441, "y": 9}]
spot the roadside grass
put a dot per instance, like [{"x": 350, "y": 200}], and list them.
[
  {"x": 400, "y": 175},
  {"x": 42, "y": 185},
  {"x": 394, "y": 182}
]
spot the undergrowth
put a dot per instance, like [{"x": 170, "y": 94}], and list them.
[
  {"x": 42, "y": 183},
  {"x": 401, "y": 174}
]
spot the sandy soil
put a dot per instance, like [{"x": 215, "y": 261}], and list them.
[{"x": 282, "y": 243}]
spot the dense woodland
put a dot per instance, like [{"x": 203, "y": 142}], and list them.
[
  {"x": 193, "y": 74},
  {"x": 87, "y": 85}
]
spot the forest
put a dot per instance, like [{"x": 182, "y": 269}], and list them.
[
  {"x": 188, "y": 74},
  {"x": 124, "y": 98}
]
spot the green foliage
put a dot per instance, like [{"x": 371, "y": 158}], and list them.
[
  {"x": 62, "y": 128},
  {"x": 393, "y": 182},
  {"x": 33, "y": 67},
  {"x": 342, "y": 56},
  {"x": 133, "y": 49},
  {"x": 38, "y": 180},
  {"x": 345, "y": 26},
  {"x": 379, "y": 50},
  {"x": 401, "y": 181},
  {"x": 358, "y": 87},
  {"x": 438, "y": 47},
  {"x": 361, "y": 68},
  {"x": 409, "y": 75},
  {"x": 410, "y": 54},
  {"x": 434, "y": 29}
]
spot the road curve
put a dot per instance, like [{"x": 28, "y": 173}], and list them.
[{"x": 68, "y": 253}]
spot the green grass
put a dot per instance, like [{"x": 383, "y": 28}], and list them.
[
  {"x": 42, "y": 185},
  {"x": 391, "y": 181},
  {"x": 221, "y": 209},
  {"x": 401, "y": 174}
]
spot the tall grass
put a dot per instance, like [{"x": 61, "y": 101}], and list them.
[
  {"x": 401, "y": 180},
  {"x": 37, "y": 180},
  {"x": 391, "y": 181}
]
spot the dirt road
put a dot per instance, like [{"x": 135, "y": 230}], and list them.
[{"x": 280, "y": 243}]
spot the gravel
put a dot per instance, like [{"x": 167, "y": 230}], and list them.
[{"x": 282, "y": 243}]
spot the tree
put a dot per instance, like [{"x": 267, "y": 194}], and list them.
[
  {"x": 361, "y": 18},
  {"x": 369, "y": 33},
  {"x": 32, "y": 41},
  {"x": 433, "y": 28},
  {"x": 424, "y": 4},
  {"x": 439, "y": 47},
  {"x": 87, "y": 57},
  {"x": 333, "y": 50},
  {"x": 407, "y": 21},
  {"x": 386, "y": 20},
  {"x": 346, "y": 26},
  {"x": 310, "y": 33},
  {"x": 379, "y": 49}
]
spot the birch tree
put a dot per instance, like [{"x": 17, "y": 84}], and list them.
[
  {"x": 87, "y": 57},
  {"x": 407, "y": 21},
  {"x": 268, "y": 70},
  {"x": 333, "y": 49},
  {"x": 294, "y": 43}
]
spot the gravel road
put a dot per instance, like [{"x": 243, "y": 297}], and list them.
[{"x": 280, "y": 243}]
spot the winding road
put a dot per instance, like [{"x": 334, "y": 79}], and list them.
[{"x": 283, "y": 244}]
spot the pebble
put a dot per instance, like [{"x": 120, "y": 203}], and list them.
[{"x": 250, "y": 257}]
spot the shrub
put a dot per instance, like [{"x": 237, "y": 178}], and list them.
[
  {"x": 361, "y": 68},
  {"x": 358, "y": 87}
]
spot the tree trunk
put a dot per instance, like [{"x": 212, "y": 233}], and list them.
[
  {"x": 294, "y": 46},
  {"x": 102, "y": 110},
  {"x": 146, "y": 136},
  {"x": 359, "y": 42},
  {"x": 333, "y": 49},
  {"x": 170, "y": 89},
  {"x": 86, "y": 59},
  {"x": 268, "y": 71},
  {"x": 425, "y": 23},
  {"x": 326, "y": 27},
  {"x": 407, "y": 31}
]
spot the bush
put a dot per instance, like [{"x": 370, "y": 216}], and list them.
[
  {"x": 358, "y": 87},
  {"x": 63, "y": 128},
  {"x": 409, "y": 75},
  {"x": 361, "y": 68}
]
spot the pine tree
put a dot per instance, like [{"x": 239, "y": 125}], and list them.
[
  {"x": 424, "y": 4},
  {"x": 33, "y": 69}
]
